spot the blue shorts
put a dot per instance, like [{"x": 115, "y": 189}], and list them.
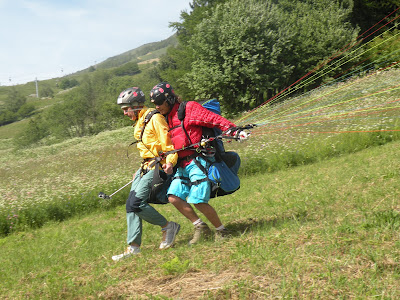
[{"x": 191, "y": 193}]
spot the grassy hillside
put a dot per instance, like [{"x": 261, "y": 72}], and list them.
[
  {"x": 317, "y": 215},
  {"x": 323, "y": 231},
  {"x": 140, "y": 54}
]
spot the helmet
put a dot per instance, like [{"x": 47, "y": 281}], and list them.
[
  {"x": 162, "y": 92},
  {"x": 131, "y": 97}
]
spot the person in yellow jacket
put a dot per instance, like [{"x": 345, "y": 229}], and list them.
[{"x": 151, "y": 141}]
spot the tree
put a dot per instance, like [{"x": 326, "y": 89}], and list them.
[
  {"x": 178, "y": 60},
  {"x": 46, "y": 91},
  {"x": 14, "y": 100},
  {"x": 34, "y": 131},
  {"x": 68, "y": 83},
  {"x": 367, "y": 13},
  {"x": 7, "y": 117},
  {"x": 25, "y": 110},
  {"x": 130, "y": 68},
  {"x": 247, "y": 50}
]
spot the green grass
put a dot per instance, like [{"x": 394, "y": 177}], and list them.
[
  {"x": 317, "y": 216},
  {"x": 321, "y": 231}
]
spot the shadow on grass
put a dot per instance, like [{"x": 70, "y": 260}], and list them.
[{"x": 240, "y": 227}]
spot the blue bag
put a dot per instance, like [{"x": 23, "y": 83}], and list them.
[{"x": 224, "y": 178}]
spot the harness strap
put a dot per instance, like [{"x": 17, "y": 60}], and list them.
[{"x": 186, "y": 180}]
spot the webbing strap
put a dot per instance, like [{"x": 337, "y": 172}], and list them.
[{"x": 186, "y": 180}]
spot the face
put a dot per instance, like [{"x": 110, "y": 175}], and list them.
[
  {"x": 131, "y": 112},
  {"x": 163, "y": 108}
]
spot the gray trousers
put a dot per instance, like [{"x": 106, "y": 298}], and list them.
[{"x": 137, "y": 208}]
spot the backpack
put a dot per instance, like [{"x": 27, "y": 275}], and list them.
[{"x": 223, "y": 171}]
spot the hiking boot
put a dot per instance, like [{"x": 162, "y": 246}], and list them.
[
  {"x": 201, "y": 231},
  {"x": 169, "y": 234},
  {"x": 222, "y": 234},
  {"x": 131, "y": 250}
]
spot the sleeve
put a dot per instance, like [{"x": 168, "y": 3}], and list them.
[
  {"x": 196, "y": 114},
  {"x": 161, "y": 130}
]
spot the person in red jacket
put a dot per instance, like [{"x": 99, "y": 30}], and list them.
[{"x": 190, "y": 184}]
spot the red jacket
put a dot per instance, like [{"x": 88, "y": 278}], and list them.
[{"x": 196, "y": 117}]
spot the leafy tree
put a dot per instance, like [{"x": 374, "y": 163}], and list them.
[
  {"x": 247, "y": 50},
  {"x": 130, "y": 68},
  {"x": 367, "y": 13},
  {"x": 46, "y": 91},
  {"x": 7, "y": 117},
  {"x": 26, "y": 110},
  {"x": 14, "y": 100},
  {"x": 67, "y": 83},
  {"x": 35, "y": 131},
  {"x": 173, "y": 66},
  {"x": 178, "y": 60}
]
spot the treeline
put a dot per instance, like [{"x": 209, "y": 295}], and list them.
[
  {"x": 15, "y": 107},
  {"x": 85, "y": 110},
  {"x": 244, "y": 52},
  {"x": 240, "y": 51}
]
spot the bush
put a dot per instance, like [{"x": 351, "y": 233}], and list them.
[
  {"x": 33, "y": 133},
  {"x": 26, "y": 110},
  {"x": 67, "y": 83},
  {"x": 8, "y": 117}
]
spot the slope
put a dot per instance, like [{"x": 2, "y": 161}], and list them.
[{"x": 325, "y": 230}]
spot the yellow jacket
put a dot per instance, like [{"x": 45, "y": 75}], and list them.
[{"x": 155, "y": 138}]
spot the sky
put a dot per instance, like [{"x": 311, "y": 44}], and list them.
[{"x": 43, "y": 39}]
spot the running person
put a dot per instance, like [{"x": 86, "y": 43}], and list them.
[{"x": 155, "y": 138}]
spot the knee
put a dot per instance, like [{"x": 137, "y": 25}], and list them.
[
  {"x": 133, "y": 203},
  {"x": 174, "y": 199}
]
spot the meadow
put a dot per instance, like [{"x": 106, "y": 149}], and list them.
[{"x": 317, "y": 214}]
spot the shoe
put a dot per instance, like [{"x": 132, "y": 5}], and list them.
[
  {"x": 131, "y": 250},
  {"x": 201, "y": 231},
  {"x": 222, "y": 234},
  {"x": 169, "y": 234}
]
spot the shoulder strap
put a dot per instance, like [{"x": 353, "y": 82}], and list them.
[
  {"x": 147, "y": 120},
  {"x": 182, "y": 111},
  {"x": 181, "y": 117}
]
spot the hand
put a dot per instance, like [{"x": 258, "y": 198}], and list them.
[
  {"x": 168, "y": 168},
  {"x": 242, "y": 135}
]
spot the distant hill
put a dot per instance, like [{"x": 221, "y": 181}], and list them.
[{"x": 143, "y": 53}]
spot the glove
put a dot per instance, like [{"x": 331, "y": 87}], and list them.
[{"x": 242, "y": 135}]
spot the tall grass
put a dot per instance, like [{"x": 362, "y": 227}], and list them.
[
  {"x": 71, "y": 198},
  {"x": 264, "y": 159}
]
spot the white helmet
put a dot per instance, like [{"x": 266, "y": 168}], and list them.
[{"x": 131, "y": 97}]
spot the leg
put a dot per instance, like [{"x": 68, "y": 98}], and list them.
[
  {"x": 209, "y": 212},
  {"x": 134, "y": 224},
  {"x": 184, "y": 208}
]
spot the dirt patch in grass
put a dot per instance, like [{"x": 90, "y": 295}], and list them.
[{"x": 191, "y": 285}]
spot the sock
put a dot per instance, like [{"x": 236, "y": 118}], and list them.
[
  {"x": 166, "y": 227},
  {"x": 197, "y": 222},
  {"x": 222, "y": 227}
]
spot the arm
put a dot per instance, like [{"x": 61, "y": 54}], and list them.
[
  {"x": 198, "y": 115},
  {"x": 161, "y": 130}
]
